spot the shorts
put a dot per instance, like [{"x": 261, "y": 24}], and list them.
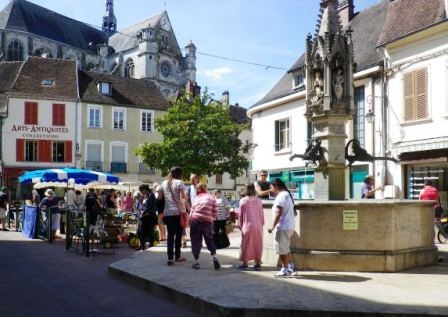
[
  {"x": 283, "y": 241},
  {"x": 55, "y": 221},
  {"x": 2, "y": 212}
]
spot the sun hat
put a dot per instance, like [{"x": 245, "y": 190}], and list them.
[{"x": 49, "y": 192}]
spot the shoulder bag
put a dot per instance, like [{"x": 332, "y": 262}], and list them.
[{"x": 181, "y": 207}]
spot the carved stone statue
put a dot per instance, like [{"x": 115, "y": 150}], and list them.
[{"x": 338, "y": 85}]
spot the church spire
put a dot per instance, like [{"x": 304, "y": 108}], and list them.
[{"x": 109, "y": 20}]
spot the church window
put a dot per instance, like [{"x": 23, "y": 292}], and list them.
[
  {"x": 15, "y": 51},
  {"x": 129, "y": 69}
]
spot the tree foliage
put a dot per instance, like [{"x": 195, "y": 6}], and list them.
[{"x": 199, "y": 136}]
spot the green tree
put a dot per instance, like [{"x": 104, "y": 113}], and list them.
[{"x": 200, "y": 136}]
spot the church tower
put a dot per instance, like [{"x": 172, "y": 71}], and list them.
[{"x": 109, "y": 20}]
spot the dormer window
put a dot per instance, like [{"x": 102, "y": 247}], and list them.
[
  {"x": 299, "y": 79},
  {"x": 48, "y": 83},
  {"x": 105, "y": 88}
]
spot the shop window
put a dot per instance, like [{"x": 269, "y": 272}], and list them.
[
  {"x": 31, "y": 151},
  {"x": 415, "y": 95},
  {"x": 58, "y": 152}
]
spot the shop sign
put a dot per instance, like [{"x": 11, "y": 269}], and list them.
[
  {"x": 39, "y": 132},
  {"x": 350, "y": 219}
]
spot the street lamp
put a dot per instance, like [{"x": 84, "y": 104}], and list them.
[{"x": 370, "y": 116}]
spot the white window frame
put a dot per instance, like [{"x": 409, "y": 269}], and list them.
[
  {"x": 100, "y": 116},
  {"x": 286, "y": 133},
  {"x": 151, "y": 112},
  {"x": 119, "y": 110},
  {"x": 94, "y": 142},
  {"x": 119, "y": 144},
  {"x": 105, "y": 88}
]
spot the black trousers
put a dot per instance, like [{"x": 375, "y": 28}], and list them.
[{"x": 146, "y": 229}]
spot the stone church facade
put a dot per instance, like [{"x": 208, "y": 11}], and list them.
[{"x": 147, "y": 50}]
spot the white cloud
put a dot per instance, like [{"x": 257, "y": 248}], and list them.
[{"x": 216, "y": 74}]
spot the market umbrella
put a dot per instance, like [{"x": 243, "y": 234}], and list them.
[{"x": 63, "y": 175}]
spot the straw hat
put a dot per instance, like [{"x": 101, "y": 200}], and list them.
[{"x": 49, "y": 192}]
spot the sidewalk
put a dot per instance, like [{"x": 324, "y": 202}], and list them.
[{"x": 230, "y": 292}]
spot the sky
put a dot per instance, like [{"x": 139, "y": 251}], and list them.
[{"x": 243, "y": 46}]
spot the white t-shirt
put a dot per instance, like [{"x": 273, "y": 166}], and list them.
[
  {"x": 171, "y": 209},
  {"x": 287, "y": 221}
]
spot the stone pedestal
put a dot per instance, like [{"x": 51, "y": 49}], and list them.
[{"x": 364, "y": 236}]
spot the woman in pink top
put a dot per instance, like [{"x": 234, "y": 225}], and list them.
[
  {"x": 251, "y": 219},
  {"x": 203, "y": 212}
]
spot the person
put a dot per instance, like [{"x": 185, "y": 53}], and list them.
[
  {"x": 191, "y": 195},
  {"x": 3, "y": 207},
  {"x": 35, "y": 197},
  {"x": 51, "y": 204},
  {"x": 119, "y": 202},
  {"x": 283, "y": 213},
  {"x": 251, "y": 219},
  {"x": 93, "y": 207},
  {"x": 173, "y": 191},
  {"x": 148, "y": 217},
  {"x": 429, "y": 192},
  {"x": 79, "y": 200},
  {"x": 203, "y": 210},
  {"x": 262, "y": 186},
  {"x": 160, "y": 204},
  {"x": 367, "y": 189},
  {"x": 70, "y": 200},
  {"x": 223, "y": 211},
  {"x": 128, "y": 202},
  {"x": 111, "y": 204}
]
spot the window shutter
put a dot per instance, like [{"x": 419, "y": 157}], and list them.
[
  {"x": 31, "y": 113},
  {"x": 68, "y": 151},
  {"x": 415, "y": 95},
  {"x": 20, "y": 150},
  {"x": 44, "y": 150},
  {"x": 421, "y": 77},
  {"x": 59, "y": 114}
]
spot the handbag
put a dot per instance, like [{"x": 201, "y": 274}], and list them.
[
  {"x": 229, "y": 226},
  {"x": 184, "y": 221},
  {"x": 221, "y": 240}
]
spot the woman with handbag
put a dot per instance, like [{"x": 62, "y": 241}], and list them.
[
  {"x": 173, "y": 191},
  {"x": 203, "y": 210}
]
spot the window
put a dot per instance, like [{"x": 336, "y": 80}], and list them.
[
  {"x": 58, "y": 152},
  {"x": 47, "y": 83},
  {"x": 58, "y": 114},
  {"x": 30, "y": 112},
  {"x": 359, "y": 119},
  {"x": 118, "y": 158},
  {"x": 105, "y": 88},
  {"x": 94, "y": 150},
  {"x": 15, "y": 51},
  {"x": 218, "y": 179},
  {"x": 94, "y": 117},
  {"x": 146, "y": 122},
  {"x": 31, "y": 151},
  {"x": 299, "y": 80},
  {"x": 118, "y": 119},
  {"x": 282, "y": 136},
  {"x": 415, "y": 95},
  {"x": 129, "y": 69}
]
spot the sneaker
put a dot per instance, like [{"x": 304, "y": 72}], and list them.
[
  {"x": 195, "y": 266},
  {"x": 291, "y": 268},
  {"x": 283, "y": 272},
  {"x": 216, "y": 264},
  {"x": 242, "y": 266}
]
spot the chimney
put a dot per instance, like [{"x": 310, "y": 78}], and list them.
[
  {"x": 346, "y": 11},
  {"x": 225, "y": 98}
]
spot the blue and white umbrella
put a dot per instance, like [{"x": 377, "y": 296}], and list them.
[{"x": 66, "y": 175}]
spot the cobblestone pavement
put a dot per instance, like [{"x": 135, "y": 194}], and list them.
[{"x": 41, "y": 279}]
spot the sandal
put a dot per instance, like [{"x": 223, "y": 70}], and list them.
[
  {"x": 195, "y": 266},
  {"x": 181, "y": 259},
  {"x": 169, "y": 262}
]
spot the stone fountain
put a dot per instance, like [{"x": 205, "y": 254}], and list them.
[{"x": 333, "y": 233}]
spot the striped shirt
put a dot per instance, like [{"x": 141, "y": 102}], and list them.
[
  {"x": 204, "y": 208},
  {"x": 171, "y": 209},
  {"x": 223, "y": 205}
]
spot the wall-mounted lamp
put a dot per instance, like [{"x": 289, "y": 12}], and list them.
[{"x": 370, "y": 116}]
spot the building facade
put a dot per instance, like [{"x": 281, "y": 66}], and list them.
[{"x": 399, "y": 81}]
